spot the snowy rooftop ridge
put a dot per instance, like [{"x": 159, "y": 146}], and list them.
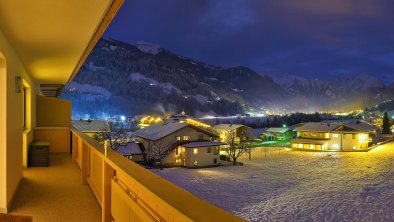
[{"x": 147, "y": 47}]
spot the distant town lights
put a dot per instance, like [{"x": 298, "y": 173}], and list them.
[{"x": 122, "y": 118}]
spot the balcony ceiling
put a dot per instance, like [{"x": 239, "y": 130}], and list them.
[{"x": 51, "y": 36}]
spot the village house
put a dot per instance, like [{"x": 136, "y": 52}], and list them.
[
  {"x": 237, "y": 130},
  {"x": 174, "y": 140},
  {"x": 132, "y": 151},
  {"x": 282, "y": 134},
  {"x": 91, "y": 127},
  {"x": 261, "y": 135},
  {"x": 347, "y": 136}
]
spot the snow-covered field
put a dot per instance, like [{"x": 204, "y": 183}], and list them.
[{"x": 299, "y": 186}]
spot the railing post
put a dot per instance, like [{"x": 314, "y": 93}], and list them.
[
  {"x": 108, "y": 174},
  {"x": 74, "y": 144},
  {"x": 84, "y": 163}
]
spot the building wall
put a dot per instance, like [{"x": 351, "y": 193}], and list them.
[
  {"x": 202, "y": 157},
  {"x": 53, "y": 112},
  {"x": 340, "y": 141},
  {"x": 11, "y": 121}
]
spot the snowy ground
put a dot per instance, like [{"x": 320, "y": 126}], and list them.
[{"x": 299, "y": 186}]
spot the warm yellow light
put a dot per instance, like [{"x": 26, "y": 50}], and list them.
[
  {"x": 195, "y": 151},
  {"x": 197, "y": 123}
]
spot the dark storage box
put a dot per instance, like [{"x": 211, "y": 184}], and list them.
[{"x": 39, "y": 154}]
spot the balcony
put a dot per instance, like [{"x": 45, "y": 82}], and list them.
[{"x": 120, "y": 190}]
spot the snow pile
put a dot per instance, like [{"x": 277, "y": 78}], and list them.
[{"x": 299, "y": 186}]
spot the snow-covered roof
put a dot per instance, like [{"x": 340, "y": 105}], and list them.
[
  {"x": 90, "y": 125},
  {"x": 228, "y": 127},
  {"x": 203, "y": 144},
  {"x": 159, "y": 130},
  {"x": 317, "y": 127},
  {"x": 278, "y": 129},
  {"x": 255, "y": 133},
  {"x": 360, "y": 126},
  {"x": 129, "y": 149}
]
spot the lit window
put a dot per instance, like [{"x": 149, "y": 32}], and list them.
[
  {"x": 195, "y": 151},
  {"x": 312, "y": 146},
  {"x": 195, "y": 163},
  {"x": 335, "y": 146},
  {"x": 353, "y": 147},
  {"x": 294, "y": 145},
  {"x": 335, "y": 135},
  {"x": 300, "y": 145}
]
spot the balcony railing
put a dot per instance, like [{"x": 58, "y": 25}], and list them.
[{"x": 129, "y": 192}]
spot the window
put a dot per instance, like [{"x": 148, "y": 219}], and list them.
[
  {"x": 306, "y": 146},
  {"x": 334, "y": 135},
  {"x": 200, "y": 137},
  {"x": 195, "y": 151},
  {"x": 178, "y": 161},
  {"x": 294, "y": 145},
  {"x": 215, "y": 161},
  {"x": 195, "y": 163},
  {"x": 312, "y": 146},
  {"x": 300, "y": 145},
  {"x": 176, "y": 151},
  {"x": 353, "y": 147},
  {"x": 335, "y": 146},
  {"x": 209, "y": 150}
]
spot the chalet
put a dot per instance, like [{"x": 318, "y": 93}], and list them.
[
  {"x": 225, "y": 130},
  {"x": 283, "y": 134},
  {"x": 174, "y": 139},
  {"x": 90, "y": 127},
  {"x": 261, "y": 135},
  {"x": 347, "y": 136},
  {"x": 132, "y": 151},
  {"x": 197, "y": 154}
]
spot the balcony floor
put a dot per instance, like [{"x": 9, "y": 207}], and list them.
[{"x": 55, "y": 193}]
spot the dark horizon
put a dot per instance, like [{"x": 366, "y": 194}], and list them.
[{"x": 309, "y": 39}]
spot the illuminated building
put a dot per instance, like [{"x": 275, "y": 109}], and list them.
[{"x": 350, "y": 136}]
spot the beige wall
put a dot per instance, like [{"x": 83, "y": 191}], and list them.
[
  {"x": 52, "y": 112},
  {"x": 202, "y": 157},
  {"x": 11, "y": 120}
]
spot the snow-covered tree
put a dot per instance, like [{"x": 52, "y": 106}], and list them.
[
  {"x": 114, "y": 139},
  {"x": 155, "y": 151}
]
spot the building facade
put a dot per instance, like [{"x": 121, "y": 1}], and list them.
[{"x": 350, "y": 136}]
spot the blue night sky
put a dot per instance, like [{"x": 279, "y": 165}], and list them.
[{"x": 308, "y": 38}]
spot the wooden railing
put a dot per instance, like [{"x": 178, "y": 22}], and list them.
[{"x": 129, "y": 192}]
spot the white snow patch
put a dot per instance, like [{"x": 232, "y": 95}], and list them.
[
  {"x": 201, "y": 99},
  {"x": 94, "y": 68},
  {"x": 147, "y": 47},
  {"x": 167, "y": 87}
]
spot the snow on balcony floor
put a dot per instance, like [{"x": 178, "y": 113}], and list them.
[
  {"x": 55, "y": 193},
  {"x": 299, "y": 186}
]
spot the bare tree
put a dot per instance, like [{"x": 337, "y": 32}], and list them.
[
  {"x": 155, "y": 151},
  {"x": 114, "y": 139},
  {"x": 234, "y": 148}
]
